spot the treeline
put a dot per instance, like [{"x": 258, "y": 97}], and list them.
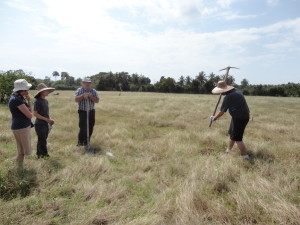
[
  {"x": 200, "y": 84},
  {"x": 64, "y": 81},
  {"x": 7, "y": 78},
  {"x": 283, "y": 90},
  {"x": 123, "y": 81}
]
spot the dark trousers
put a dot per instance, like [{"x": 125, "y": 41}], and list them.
[
  {"x": 42, "y": 131},
  {"x": 82, "y": 136}
]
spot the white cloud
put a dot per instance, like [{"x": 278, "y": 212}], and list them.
[
  {"x": 85, "y": 37},
  {"x": 228, "y": 15},
  {"x": 225, "y": 3},
  {"x": 209, "y": 11},
  {"x": 19, "y": 4}
]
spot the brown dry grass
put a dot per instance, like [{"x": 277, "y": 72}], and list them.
[{"x": 169, "y": 166}]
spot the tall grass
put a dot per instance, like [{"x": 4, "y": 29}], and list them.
[{"x": 170, "y": 168}]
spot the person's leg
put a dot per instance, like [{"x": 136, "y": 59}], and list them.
[
  {"x": 240, "y": 126},
  {"x": 91, "y": 122},
  {"x": 231, "y": 142},
  {"x": 38, "y": 148},
  {"x": 45, "y": 132},
  {"x": 42, "y": 133},
  {"x": 82, "y": 128},
  {"x": 25, "y": 143},
  {"x": 242, "y": 147},
  {"x": 23, "y": 140},
  {"x": 230, "y": 145}
]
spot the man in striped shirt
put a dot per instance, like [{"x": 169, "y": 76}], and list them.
[{"x": 86, "y": 97}]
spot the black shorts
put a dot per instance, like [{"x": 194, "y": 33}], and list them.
[{"x": 236, "y": 129}]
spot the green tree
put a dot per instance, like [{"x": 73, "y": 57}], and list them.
[
  {"x": 181, "y": 81},
  {"x": 78, "y": 81},
  {"x": 230, "y": 80},
  {"x": 244, "y": 83},
  {"x": 201, "y": 77},
  {"x": 64, "y": 75},
  {"x": 55, "y": 74},
  {"x": 47, "y": 81},
  {"x": 277, "y": 91},
  {"x": 70, "y": 81},
  {"x": 7, "y": 83}
]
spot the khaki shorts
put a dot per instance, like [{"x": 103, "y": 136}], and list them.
[{"x": 23, "y": 139}]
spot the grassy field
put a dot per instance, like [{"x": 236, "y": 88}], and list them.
[{"x": 169, "y": 166}]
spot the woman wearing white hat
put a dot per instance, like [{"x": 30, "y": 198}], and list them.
[
  {"x": 236, "y": 104},
  {"x": 43, "y": 120},
  {"x": 20, "y": 108}
]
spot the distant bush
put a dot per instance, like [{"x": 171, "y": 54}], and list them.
[
  {"x": 7, "y": 83},
  {"x": 67, "y": 84},
  {"x": 64, "y": 87},
  {"x": 246, "y": 92},
  {"x": 281, "y": 90}
]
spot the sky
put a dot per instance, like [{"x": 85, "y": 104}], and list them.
[{"x": 153, "y": 37}]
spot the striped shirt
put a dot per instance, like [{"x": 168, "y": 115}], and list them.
[{"x": 86, "y": 103}]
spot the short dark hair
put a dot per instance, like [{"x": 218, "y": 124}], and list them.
[
  {"x": 19, "y": 92},
  {"x": 38, "y": 95}
]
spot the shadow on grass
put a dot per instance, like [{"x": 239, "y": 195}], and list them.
[
  {"x": 262, "y": 155},
  {"x": 99, "y": 221},
  {"x": 16, "y": 183},
  {"x": 206, "y": 151},
  {"x": 97, "y": 150},
  {"x": 53, "y": 165}
]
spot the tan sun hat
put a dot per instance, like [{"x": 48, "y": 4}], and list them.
[
  {"x": 222, "y": 87},
  {"x": 21, "y": 85},
  {"x": 42, "y": 87}
]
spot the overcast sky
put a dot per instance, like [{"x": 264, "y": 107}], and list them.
[{"x": 153, "y": 37}]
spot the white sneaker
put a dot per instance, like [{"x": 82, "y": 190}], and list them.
[
  {"x": 228, "y": 150},
  {"x": 109, "y": 154}
]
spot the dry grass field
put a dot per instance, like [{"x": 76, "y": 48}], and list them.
[{"x": 169, "y": 167}]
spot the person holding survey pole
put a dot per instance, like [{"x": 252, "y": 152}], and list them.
[{"x": 86, "y": 97}]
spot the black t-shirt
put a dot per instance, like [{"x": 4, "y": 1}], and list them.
[
  {"x": 236, "y": 103},
  {"x": 41, "y": 106},
  {"x": 19, "y": 120}
]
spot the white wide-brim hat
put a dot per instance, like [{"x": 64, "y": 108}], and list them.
[
  {"x": 21, "y": 85},
  {"x": 87, "y": 80},
  {"x": 222, "y": 87},
  {"x": 42, "y": 87}
]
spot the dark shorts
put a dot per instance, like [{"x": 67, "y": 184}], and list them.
[{"x": 236, "y": 129}]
